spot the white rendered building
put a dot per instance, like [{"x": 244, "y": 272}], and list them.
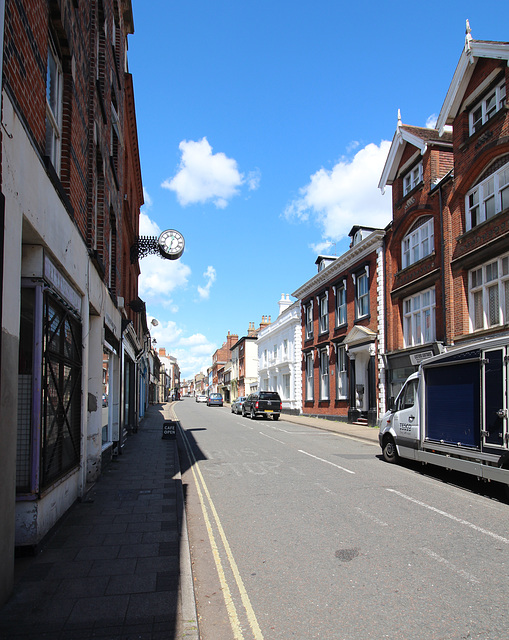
[{"x": 279, "y": 356}]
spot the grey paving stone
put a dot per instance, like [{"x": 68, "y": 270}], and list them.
[
  {"x": 118, "y": 566},
  {"x": 138, "y": 583}
]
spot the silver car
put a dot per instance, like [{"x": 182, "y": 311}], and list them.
[{"x": 237, "y": 404}]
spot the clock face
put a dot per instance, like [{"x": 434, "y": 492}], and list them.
[{"x": 171, "y": 244}]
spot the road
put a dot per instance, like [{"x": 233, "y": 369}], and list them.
[{"x": 300, "y": 533}]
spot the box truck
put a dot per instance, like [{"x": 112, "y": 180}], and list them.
[{"x": 453, "y": 412}]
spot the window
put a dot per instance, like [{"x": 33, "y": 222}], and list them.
[
  {"x": 412, "y": 179},
  {"x": 309, "y": 320},
  {"x": 487, "y": 108},
  {"x": 341, "y": 376},
  {"x": 341, "y": 305},
  {"x": 285, "y": 348},
  {"x": 309, "y": 376},
  {"x": 408, "y": 397},
  {"x": 324, "y": 313},
  {"x": 286, "y": 387},
  {"x": 419, "y": 243},
  {"x": 324, "y": 374},
  {"x": 275, "y": 352},
  {"x": 54, "y": 106},
  {"x": 362, "y": 296},
  {"x": 419, "y": 318},
  {"x": 488, "y": 198},
  {"x": 489, "y": 294}
]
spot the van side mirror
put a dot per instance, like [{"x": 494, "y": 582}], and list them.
[{"x": 391, "y": 403}]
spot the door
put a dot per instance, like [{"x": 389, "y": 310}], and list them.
[
  {"x": 495, "y": 397},
  {"x": 406, "y": 416}
]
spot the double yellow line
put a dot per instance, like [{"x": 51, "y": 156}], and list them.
[{"x": 207, "y": 505}]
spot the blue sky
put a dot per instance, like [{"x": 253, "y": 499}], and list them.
[{"x": 263, "y": 129}]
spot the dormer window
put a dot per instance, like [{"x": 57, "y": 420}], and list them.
[
  {"x": 412, "y": 178},
  {"x": 487, "y": 108},
  {"x": 357, "y": 237}
]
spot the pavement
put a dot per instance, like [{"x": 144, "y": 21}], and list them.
[{"x": 117, "y": 566}]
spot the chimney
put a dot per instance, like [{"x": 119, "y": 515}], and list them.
[
  {"x": 284, "y": 303},
  {"x": 162, "y": 351}
]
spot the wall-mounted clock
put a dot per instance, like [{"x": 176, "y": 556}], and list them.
[{"x": 171, "y": 244}]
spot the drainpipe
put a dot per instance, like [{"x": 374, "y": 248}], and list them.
[
  {"x": 442, "y": 265},
  {"x": 85, "y": 347}
]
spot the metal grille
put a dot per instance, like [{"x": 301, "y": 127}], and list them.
[{"x": 61, "y": 416}]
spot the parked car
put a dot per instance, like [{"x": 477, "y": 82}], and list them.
[
  {"x": 262, "y": 403},
  {"x": 215, "y": 400},
  {"x": 201, "y": 398},
  {"x": 238, "y": 404}
]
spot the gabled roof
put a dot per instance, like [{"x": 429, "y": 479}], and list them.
[
  {"x": 473, "y": 50},
  {"x": 419, "y": 137}
]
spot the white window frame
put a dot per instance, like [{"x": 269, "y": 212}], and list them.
[
  {"x": 488, "y": 198},
  {"x": 324, "y": 374},
  {"x": 341, "y": 373},
  {"x": 488, "y": 292},
  {"x": 286, "y": 386},
  {"x": 361, "y": 296},
  {"x": 341, "y": 316},
  {"x": 310, "y": 395},
  {"x": 308, "y": 310},
  {"x": 418, "y": 243},
  {"x": 492, "y": 102},
  {"x": 54, "y": 106},
  {"x": 323, "y": 306},
  {"x": 412, "y": 178},
  {"x": 419, "y": 318}
]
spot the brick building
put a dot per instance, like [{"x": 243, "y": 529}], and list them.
[
  {"x": 448, "y": 245},
  {"x": 71, "y": 186},
  {"x": 342, "y": 309}
]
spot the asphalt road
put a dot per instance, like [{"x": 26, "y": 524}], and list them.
[{"x": 300, "y": 533}]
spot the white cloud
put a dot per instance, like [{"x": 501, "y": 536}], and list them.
[
  {"x": 204, "y": 176},
  {"x": 160, "y": 277},
  {"x": 147, "y": 200},
  {"x": 147, "y": 226},
  {"x": 210, "y": 276},
  {"x": 193, "y": 353},
  {"x": 346, "y": 195}
]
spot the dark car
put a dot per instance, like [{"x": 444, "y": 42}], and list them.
[
  {"x": 215, "y": 400},
  {"x": 238, "y": 404},
  {"x": 262, "y": 403}
]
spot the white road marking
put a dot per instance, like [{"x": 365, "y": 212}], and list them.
[
  {"x": 372, "y": 517},
  {"x": 450, "y": 565},
  {"x": 271, "y": 438},
  {"x": 451, "y": 517},
  {"x": 327, "y": 461}
]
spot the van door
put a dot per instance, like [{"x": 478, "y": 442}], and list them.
[
  {"x": 405, "y": 421},
  {"x": 495, "y": 397}
]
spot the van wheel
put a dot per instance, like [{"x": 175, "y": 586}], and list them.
[{"x": 389, "y": 450}]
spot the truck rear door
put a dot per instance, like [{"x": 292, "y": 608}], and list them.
[{"x": 495, "y": 385}]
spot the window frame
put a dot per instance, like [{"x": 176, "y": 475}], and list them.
[
  {"x": 482, "y": 111},
  {"x": 361, "y": 298},
  {"x": 414, "y": 319},
  {"x": 308, "y": 312},
  {"x": 341, "y": 373},
  {"x": 54, "y": 112},
  {"x": 482, "y": 281},
  {"x": 309, "y": 375},
  {"x": 494, "y": 188},
  {"x": 324, "y": 393},
  {"x": 412, "y": 178},
  {"x": 412, "y": 245},
  {"x": 340, "y": 315},
  {"x": 323, "y": 310}
]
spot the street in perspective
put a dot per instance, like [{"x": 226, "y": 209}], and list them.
[{"x": 304, "y": 532}]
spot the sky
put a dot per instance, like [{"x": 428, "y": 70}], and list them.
[{"x": 263, "y": 129}]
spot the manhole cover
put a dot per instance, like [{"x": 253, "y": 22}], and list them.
[{"x": 345, "y": 555}]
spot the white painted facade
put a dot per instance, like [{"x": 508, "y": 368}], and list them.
[
  {"x": 280, "y": 356},
  {"x": 44, "y": 250}
]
